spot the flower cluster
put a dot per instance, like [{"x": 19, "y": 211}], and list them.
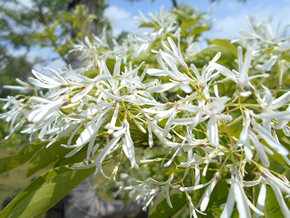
[{"x": 206, "y": 126}]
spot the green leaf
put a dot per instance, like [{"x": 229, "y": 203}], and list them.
[
  {"x": 163, "y": 210},
  {"x": 181, "y": 14},
  {"x": 45, "y": 191},
  {"x": 187, "y": 24},
  {"x": 225, "y": 44},
  {"x": 272, "y": 207},
  {"x": 147, "y": 57},
  {"x": 207, "y": 55},
  {"x": 91, "y": 73},
  {"x": 8, "y": 163},
  {"x": 198, "y": 30},
  {"x": 46, "y": 156},
  {"x": 78, "y": 157},
  {"x": 147, "y": 25},
  {"x": 277, "y": 157}
]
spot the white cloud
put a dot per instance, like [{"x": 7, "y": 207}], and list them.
[
  {"x": 121, "y": 20},
  {"x": 232, "y": 17}
]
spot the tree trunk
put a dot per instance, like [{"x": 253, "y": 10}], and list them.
[{"x": 84, "y": 202}]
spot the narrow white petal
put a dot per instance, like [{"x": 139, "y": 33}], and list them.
[
  {"x": 248, "y": 152},
  {"x": 196, "y": 187},
  {"x": 241, "y": 199},
  {"x": 226, "y": 72},
  {"x": 104, "y": 153},
  {"x": 196, "y": 174},
  {"x": 188, "y": 107},
  {"x": 102, "y": 77},
  {"x": 150, "y": 136},
  {"x": 262, "y": 197},
  {"x": 219, "y": 103},
  {"x": 269, "y": 139},
  {"x": 156, "y": 72},
  {"x": 245, "y": 130},
  {"x": 82, "y": 94},
  {"x": 228, "y": 209},
  {"x": 246, "y": 66},
  {"x": 182, "y": 121},
  {"x": 168, "y": 196},
  {"x": 168, "y": 123},
  {"x": 212, "y": 131},
  {"x": 206, "y": 195},
  {"x": 87, "y": 133},
  {"x": 195, "y": 71},
  {"x": 108, "y": 94},
  {"x": 240, "y": 55},
  {"x": 117, "y": 66},
  {"x": 269, "y": 97},
  {"x": 119, "y": 133},
  {"x": 185, "y": 87},
  {"x": 281, "y": 101},
  {"x": 172, "y": 158},
  {"x": 40, "y": 100},
  {"x": 256, "y": 210},
  {"x": 164, "y": 114},
  {"x": 280, "y": 199},
  {"x": 163, "y": 87},
  {"x": 114, "y": 118},
  {"x": 253, "y": 77}
]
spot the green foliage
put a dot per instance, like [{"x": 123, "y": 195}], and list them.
[
  {"x": 45, "y": 191},
  {"x": 25, "y": 154},
  {"x": 163, "y": 210}
]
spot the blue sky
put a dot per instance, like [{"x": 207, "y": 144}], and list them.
[{"x": 229, "y": 15}]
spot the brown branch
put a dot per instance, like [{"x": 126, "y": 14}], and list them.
[{"x": 174, "y": 2}]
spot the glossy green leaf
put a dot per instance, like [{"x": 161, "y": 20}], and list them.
[
  {"x": 207, "y": 55},
  {"x": 91, "y": 73},
  {"x": 78, "y": 157},
  {"x": 272, "y": 208},
  {"x": 188, "y": 23},
  {"x": 46, "y": 156},
  {"x": 45, "y": 191},
  {"x": 147, "y": 57},
  {"x": 225, "y": 44},
  {"x": 181, "y": 14},
  {"x": 8, "y": 163},
  {"x": 146, "y": 25},
  {"x": 163, "y": 210},
  {"x": 198, "y": 30}
]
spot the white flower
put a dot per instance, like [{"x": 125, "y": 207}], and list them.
[
  {"x": 44, "y": 109},
  {"x": 206, "y": 75},
  {"x": 213, "y": 110},
  {"x": 237, "y": 194},
  {"x": 206, "y": 195},
  {"x": 242, "y": 77},
  {"x": 178, "y": 78},
  {"x": 269, "y": 103},
  {"x": 247, "y": 133},
  {"x": 175, "y": 52},
  {"x": 165, "y": 189},
  {"x": 16, "y": 115},
  {"x": 278, "y": 187}
]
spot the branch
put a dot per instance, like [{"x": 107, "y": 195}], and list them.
[{"x": 174, "y": 2}]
